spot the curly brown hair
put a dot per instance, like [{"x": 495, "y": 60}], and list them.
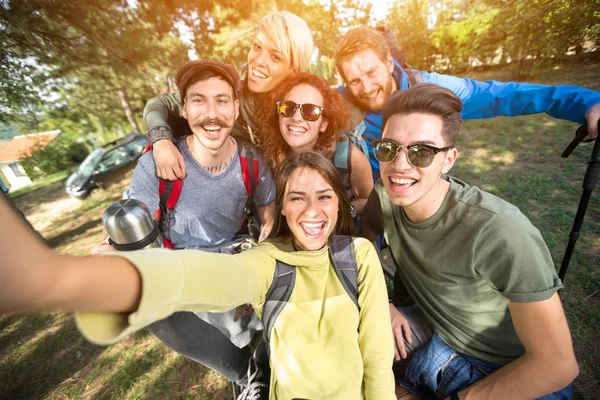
[{"x": 272, "y": 145}]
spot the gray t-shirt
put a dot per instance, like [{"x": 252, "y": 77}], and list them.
[
  {"x": 210, "y": 209},
  {"x": 464, "y": 264},
  {"x": 209, "y": 212}
]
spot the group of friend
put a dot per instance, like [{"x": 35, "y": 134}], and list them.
[{"x": 475, "y": 311}]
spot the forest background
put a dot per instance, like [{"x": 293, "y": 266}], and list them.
[{"x": 88, "y": 67}]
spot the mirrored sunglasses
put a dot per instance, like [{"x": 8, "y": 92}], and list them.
[
  {"x": 419, "y": 155},
  {"x": 309, "y": 112}
]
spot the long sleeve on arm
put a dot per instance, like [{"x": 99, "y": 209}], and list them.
[
  {"x": 492, "y": 98},
  {"x": 375, "y": 337},
  {"x": 183, "y": 280},
  {"x": 159, "y": 108}
]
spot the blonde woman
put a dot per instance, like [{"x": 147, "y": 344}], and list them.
[{"x": 282, "y": 45}]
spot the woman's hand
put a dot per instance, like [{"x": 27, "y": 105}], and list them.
[{"x": 169, "y": 161}]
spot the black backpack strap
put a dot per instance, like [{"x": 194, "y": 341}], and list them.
[
  {"x": 164, "y": 220},
  {"x": 341, "y": 251},
  {"x": 277, "y": 297}
]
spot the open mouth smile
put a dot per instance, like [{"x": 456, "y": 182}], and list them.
[
  {"x": 313, "y": 230},
  {"x": 402, "y": 183},
  {"x": 258, "y": 75}
]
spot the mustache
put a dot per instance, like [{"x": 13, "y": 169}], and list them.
[{"x": 212, "y": 121}]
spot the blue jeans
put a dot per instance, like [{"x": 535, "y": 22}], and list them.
[{"x": 436, "y": 371}]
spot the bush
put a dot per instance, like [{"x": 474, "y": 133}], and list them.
[{"x": 61, "y": 153}]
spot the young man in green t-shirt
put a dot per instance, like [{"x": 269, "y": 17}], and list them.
[{"x": 487, "y": 321}]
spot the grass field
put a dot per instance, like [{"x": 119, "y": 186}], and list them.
[{"x": 43, "y": 356}]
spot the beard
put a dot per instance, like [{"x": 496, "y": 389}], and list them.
[{"x": 386, "y": 92}]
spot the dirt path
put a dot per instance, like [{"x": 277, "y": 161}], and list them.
[{"x": 47, "y": 204}]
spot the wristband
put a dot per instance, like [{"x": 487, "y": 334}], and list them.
[{"x": 159, "y": 133}]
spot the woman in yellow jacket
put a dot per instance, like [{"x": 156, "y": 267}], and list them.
[{"x": 322, "y": 346}]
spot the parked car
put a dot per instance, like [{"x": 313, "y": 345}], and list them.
[{"x": 106, "y": 165}]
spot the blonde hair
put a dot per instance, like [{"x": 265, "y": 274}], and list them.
[{"x": 291, "y": 35}]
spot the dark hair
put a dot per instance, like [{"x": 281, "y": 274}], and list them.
[
  {"x": 203, "y": 75},
  {"x": 427, "y": 98},
  {"x": 272, "y": 145},
  {"x": 316, "y": 162}
]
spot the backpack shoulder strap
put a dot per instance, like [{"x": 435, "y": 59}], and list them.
[
  {"x": 277, "y": 297},
  {"x": 342, "y": 152},
  {"x": 341, "y": 251},
  {"x": 168, "y": 192},
  {"x": 250, "y": 166},
  {"x": 414, "y": 77}
]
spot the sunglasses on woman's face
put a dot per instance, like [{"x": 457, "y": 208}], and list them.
[
  {"x": 309, "y": 112},
  {"x": 419, "y": 155}
]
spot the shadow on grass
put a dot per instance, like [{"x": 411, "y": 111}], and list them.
[
  {"x": 72, "y": 233},
  {"x": 36, "y": 366}
]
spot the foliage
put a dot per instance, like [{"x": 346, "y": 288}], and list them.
[
  {"x": 59, "y": 154},
  {"x": 456, "y": 35}
]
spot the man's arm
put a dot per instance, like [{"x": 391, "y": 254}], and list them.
[
  {"x": 548, "y": 364},
  {"x": 169, "y": 161},
  {"x": 492, "y": 98}
]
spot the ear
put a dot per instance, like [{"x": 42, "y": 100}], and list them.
[
  {"x": 282, "y": 211},
  {"x": 390, "y": 63},
  {"x": 236, "y": 104},
  {"x": 324, "y": 124},
  {"x": 449, "y": 160}
]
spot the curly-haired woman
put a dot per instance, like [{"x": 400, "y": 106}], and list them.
[{"x": 305, "y": 114}]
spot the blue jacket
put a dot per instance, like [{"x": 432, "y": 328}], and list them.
[{"x": 491, "y": 99}]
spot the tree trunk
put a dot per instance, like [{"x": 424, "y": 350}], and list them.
[{"x": 127, "y": 109}]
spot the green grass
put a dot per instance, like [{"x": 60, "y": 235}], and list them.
[
  {"x": 43, "y": 356},
  {"x": 35, "y": 185}
]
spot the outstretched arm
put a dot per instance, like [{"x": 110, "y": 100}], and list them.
[
  {"x": 548, "y": 364},
  {"x": 33, "y": 278},
  {"x": 492, "y": 98}
]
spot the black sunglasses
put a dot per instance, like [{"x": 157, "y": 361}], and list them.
[
  {"x": 309, "y": 112},
  {"x": 419, "y": 155}
]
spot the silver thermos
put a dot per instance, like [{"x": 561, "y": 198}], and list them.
[{"x": 130, "y": 226}]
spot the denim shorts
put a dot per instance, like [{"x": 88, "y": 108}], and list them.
[{"x": 436, "y": 371}]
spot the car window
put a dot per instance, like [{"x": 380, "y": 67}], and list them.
[
  {"x": 89, "y": 164},
  {"x": 112, "y": 159},
  {"x": 136, "y": 147}
]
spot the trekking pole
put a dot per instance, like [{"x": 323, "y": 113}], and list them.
[{"x": 589, "y": 184}]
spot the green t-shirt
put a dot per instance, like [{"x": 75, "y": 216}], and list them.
[{"x": 464, "y": 264}]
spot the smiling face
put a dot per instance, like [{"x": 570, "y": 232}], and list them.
[
  {"x": 211, "y": 110},
  {"x": 369, "y": 79},
  {"x": 420, "y": 191},
  {"x": 267, "y": 65},
  {"x": 310, "y": 207},
  {"x": 300, "y": 134}
]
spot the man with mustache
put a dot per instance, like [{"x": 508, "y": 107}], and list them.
[
  {"x": 371, "y": 75},
  {"x": 208, "y": 214}
]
